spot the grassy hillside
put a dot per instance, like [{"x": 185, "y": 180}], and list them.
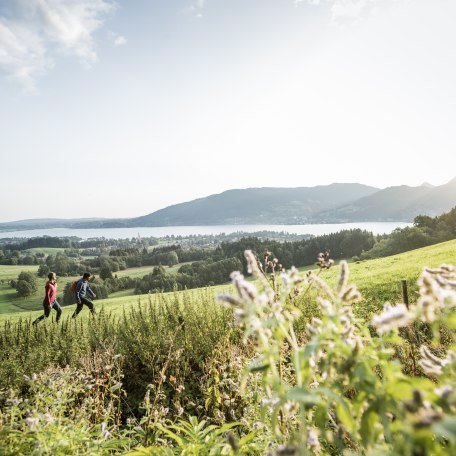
[
  {"x": 379, "y": 281},
  {"x": 147, "y": 360},
  {"x": 10, "y": 303}
]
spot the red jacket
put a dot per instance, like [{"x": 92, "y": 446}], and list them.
[{"x": 50, "y": 292}]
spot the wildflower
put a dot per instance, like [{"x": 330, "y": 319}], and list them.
[
  {"x": 104, "y": 431},
  {"x": 314, "y": 328},
  {"x": 444, "y": 391},
  {"x": 286, "y": 450},
  {"x": 180, "y": 411},
  {"x": 252, "y": 263},
  {"x": 180, "y": 388},
  {"x": 226, "y": 298},
  {"x": 323, "y": 260},
  {"x": 431, "y": 364},
  {"x": 392, "y": 317},
  {"x": 343, "y": 277},
  {"x": 32, "y": 423},
  {"x": 48, "y": 417},
  {"x": 351, "y": 294},
  {"x": 245, "y": 289},
  {"x": 428, "y": 307},
  {"x": 312, "y": 440}
]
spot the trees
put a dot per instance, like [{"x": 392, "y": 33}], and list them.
[
  {"x": 26, "y": 284},
  {"x": 105, "y": 272}
]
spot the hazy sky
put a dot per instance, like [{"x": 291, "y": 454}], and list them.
[{"x": 116, "y": 109}]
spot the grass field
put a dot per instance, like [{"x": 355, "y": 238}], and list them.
[
  {"x": 141, "y": 271},
  {"x": 116, "y": 304},
  {"x": 379, "y": 281},
  {"x": 46, "y": 250},
  {"x": 10, "y": 303}
]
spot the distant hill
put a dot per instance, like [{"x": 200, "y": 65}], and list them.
[
  {"x": 400, "y": 203},
  {"x": 257, "y": 206},
  {"x": 335, "y": 203},
  {"x": 47, "y": 223}
]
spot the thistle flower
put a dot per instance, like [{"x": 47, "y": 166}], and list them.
[
  {"x": 252, "y": 263},
  {"x": 228, "y": 299},
  {"x": 444, "y": 391},
  {"x": 312, "y": 440},
  {"x": 314, "y": 327},
  {"x": 323, "y": 260},
  {"x": 104, "y": 431},
  {"x": 343, "y": 277},
  {"x": 245, "y": 289},
  {"x": 32, "y": 423},
  {"x": 431, "y": 364},
  {"x": 392, "y": 317},
  {"x": 351, "y": 294}
]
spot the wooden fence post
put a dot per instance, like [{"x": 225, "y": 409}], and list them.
[{"x": 405, "y": 298}]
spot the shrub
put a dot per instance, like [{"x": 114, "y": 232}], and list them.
[{"x": 26, "y": 284}]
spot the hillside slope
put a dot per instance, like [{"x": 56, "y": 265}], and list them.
[
  {"x": 401, "y": 203},
  {"x": 379, "y": 281},
  {"x": 257, "y": 206}
]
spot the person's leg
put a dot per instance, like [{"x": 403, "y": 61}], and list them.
[
  {"x": 47, "y": 311},
  {"x": 58, "y": 309},
  {"x": 79, "y": 307},
  {"x": 89, "y": 304}
]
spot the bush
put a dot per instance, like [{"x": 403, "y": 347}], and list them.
[{"x": 26, "y": 284}]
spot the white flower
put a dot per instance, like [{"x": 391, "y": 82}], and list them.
[
  {"x": 32, "y": 423},
  {"x": 392, "y": 317}
]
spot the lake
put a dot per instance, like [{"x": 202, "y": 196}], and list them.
[{"x": 162, "y": 231}]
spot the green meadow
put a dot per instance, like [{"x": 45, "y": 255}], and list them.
[
  {"x": 379, "y": 280},
  {"x": 144, "y": 361}
]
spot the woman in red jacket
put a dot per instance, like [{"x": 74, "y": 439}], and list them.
[{"x": 50, "y": 299}]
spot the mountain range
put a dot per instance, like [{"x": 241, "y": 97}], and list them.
[{"x": 335, "y": 203}]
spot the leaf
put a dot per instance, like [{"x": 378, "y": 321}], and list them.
[
  {"x": 258, "y": 365},
  {"x": 447, "y": 429},
  {"x": 303, "y": 396},
  {"x": 344, "y": 415},
  {"x": 368, "y": 421}
]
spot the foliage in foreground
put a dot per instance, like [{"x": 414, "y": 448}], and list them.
[
  {"x": 166, "y": 379},
  {"x": 341, "y": 388}
]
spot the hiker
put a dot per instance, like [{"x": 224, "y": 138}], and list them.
[
  {"x": 50, "y": 299},
  {"x": 82, "y": 289}
]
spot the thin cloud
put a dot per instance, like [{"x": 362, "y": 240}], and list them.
[
  {"x": 116, "y": 40},
  {"x": 341, "y": 10},
  {"x": 38, "y": 31},
  {"x": 120, "y": 40},
  {"x": 196, "y": 8}
]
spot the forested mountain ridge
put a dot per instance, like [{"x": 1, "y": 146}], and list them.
[
  {"x": 401, "y": 203},
  {"x": 257, "y": 206},
  {"x": 335, "y": 203}
]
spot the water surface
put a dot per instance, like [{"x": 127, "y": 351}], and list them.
[{"x": 162, "y": 231}]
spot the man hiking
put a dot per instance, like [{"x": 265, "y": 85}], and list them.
[
  {"x": 50, "y": 299},
  {"x": 82, "y": 289}
]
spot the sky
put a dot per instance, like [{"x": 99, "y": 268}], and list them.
[{"x": 120, "y": 108}]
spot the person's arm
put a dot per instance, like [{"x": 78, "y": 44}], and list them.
[
  {"x": 47, "y": 297},
  {"x": 78, "y": 291},
  {"x": 92, "y": 294}
]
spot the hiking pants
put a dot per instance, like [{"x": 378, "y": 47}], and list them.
[
  {"x": 47, "y": 311},
  {"x": 80, "y": 305}
]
